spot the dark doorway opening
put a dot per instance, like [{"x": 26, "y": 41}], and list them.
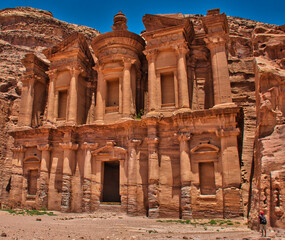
[{"x": 111, "y": 182}]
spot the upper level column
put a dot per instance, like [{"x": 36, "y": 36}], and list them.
[
  {"x": 101, "y": 95},
  {"x": 152, "y": 83},
  {"x": 26, "y": 111},
  {"x": 73, "y": 94},
  {"x": 127, "y": 87},
  {"x": 183, "y": 96},
  {"x": 216, "y": 28},
  {"x": 50, "y": 108}
]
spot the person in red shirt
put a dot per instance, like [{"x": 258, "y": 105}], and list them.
[{"x": 262, "y": 223}]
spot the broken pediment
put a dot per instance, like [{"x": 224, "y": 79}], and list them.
[
  {"x": 157, "y": 22},
  {"x": 73, "y": 45}
]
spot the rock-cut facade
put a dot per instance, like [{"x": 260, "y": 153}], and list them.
[{"x": 125, "y": 124}]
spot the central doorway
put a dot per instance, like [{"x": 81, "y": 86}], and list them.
[{"x": 111, "y": 182}]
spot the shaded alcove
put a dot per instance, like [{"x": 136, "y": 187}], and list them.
[{"x": 111, "y": 182}]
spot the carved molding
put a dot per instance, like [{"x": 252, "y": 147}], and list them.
[
  {"x": 226, "y": 133},
  {"x": 91, "y": 146},
  {"x": 19, "y": 149},
  {"x": 184, "y": 136},
  {"x": 44, "y": 147},
  {"x": 134, "y": 142},
  {"x": 69, "y": 145}
]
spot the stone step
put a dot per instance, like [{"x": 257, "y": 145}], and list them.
[{"x": 112, "y": 207}]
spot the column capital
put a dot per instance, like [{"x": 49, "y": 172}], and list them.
[
  {"x": 181, "y": 49},
  {"x": 44, "y": 147},
  {"x": 227, "y": 133},
  {"x": 152, "y": 140},
  {"x": 184, "y": 136},
  {"x": 215, "y": 40},
  {"x": 52, "y": 74},
  {"x": 128, "y": 62},
  {"x": 69, "y": 145},
  {"x": 75, "y": 70},
  {"x": 134, "y": 142},
  {"x": 19, "y": 149},
  {"x": 28, "y": 78},
  {"x": 90, "y": 146},
  {"x": 151, "y": 54}
]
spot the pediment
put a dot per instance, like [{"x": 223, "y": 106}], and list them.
[
  {"x": 110, "y": 150},
  {"x": 205, "y": 149}
]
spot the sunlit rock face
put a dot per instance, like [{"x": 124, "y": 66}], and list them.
[{"x": 170, "y": 114}]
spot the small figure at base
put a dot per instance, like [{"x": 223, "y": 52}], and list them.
[{"x": 262, "y": 224}]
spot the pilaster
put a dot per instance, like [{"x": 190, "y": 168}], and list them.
[
  {"x": 132, "y": 175},
  {"x": 183, "y": 92},
  {"x": 87, "y": 180},
  {"x": 153, "y": 169},
  {"x": 152, "y": 83},
  {"x": 43, "y": 185},
  {"x": 185, "y": 176},
  {"x": 69, "y": 149},
  {"x": 128, "y": 106},
  {"x": 15, "y": 196},
  {"x": 73, "y": 94},
  {"x": 231, "y": 172},
  {"x": 26, "y": 111},
  {"x": 216, "y": 28},
  {"x": 51, "y": 94},
  {"x": 101, "y": 95}
]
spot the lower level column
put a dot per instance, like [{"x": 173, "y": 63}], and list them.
[
  {"x": 42, "y": 196},
  {"x": 185, "y": 174},
  {"x": 68, "y": 161},
  {"x": 153, "y": 170}
]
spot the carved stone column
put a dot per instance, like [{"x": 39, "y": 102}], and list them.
[
  {"x": 183, "y": 92},
  {"x": 101, "y": 95},
  {"x": 51, "y": 91},
  {"x": 152, "y": 90},
  {"x": 153, "y": 169},
  {"x": 231, "y": 173},
  {"x": 127, "y": 88},
  {"x": 15, "y": 196},
  {"x": 26, "y": 111},
  {"x": 221, "y": 79},
  {"x": 185, "y": 175},
  {"x": 86, "y": 199},
  {"x": 42, "y": 192},
  {"x": 73, "y": 94},
  {"x": 68, "y": 164},
  {"x": 132, "y": 176}
]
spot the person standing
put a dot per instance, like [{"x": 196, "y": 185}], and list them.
[{"x": 262, "y": 224}]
